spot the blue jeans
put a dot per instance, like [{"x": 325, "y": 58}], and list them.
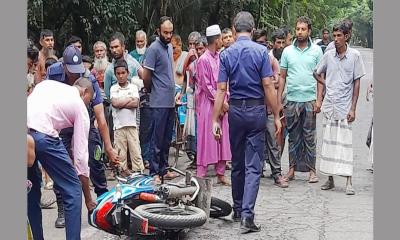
[
  {"x": 34, "y": 210},
  {"x": 162, "y": 123},
  {"x": 247, "y": 138},
  {"x": 55, "y": 160}
]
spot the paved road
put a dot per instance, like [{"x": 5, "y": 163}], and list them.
[{"x": 300, "y": 212}]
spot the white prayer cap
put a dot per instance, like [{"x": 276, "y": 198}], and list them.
[{"x": 213, "y": 30}]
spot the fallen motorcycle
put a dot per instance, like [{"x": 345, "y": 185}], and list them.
[{"x": 137, "y": 207}]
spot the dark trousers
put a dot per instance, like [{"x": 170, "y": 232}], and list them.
[
  {"x": 162, "y": 124},
  {"x": 34, "y": 210},
  {"x": 57, "y": 163},
  {"x": 247, "y": 139},
  {"x": 145, "y": 132},
  {"x": 97, "y": 170}
]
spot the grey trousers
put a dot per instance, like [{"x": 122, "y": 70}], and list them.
[{"x": 272, "y": 149}]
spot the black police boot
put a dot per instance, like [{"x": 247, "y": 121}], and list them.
[
  {"x": 247, "y": 225},
  {"x": 60, "y": 221},
  {"x": 236, "y": 216}
]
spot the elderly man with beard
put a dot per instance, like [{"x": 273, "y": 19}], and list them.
[
  {"x": 100, "y": 62},
  {"x": 141, "y": 44},
  {"x": 47, "y": 43}
]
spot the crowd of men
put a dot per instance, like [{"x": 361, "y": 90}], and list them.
[{"x": 236, "y": 94}]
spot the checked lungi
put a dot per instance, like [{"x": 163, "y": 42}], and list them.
[
  {"x": 337, "y": 148},
  {"x": 301, "y": 124}
]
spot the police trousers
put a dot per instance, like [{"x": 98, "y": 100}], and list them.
[{"x": 247, "y": 138}]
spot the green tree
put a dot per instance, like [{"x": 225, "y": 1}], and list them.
[{"x": 94, "y": 20}]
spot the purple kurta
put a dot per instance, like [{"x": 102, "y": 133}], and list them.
[{"x": 209, "y": 151}]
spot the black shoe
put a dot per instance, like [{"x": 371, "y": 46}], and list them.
[
  {"x": 237, "y": 216},
  {"x": 247, "y": 225},
  {"x": 60, "y": 221},
  {"x": 329, "y": 184}
]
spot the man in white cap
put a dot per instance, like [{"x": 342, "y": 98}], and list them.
[{"x": 210, "y": 151}]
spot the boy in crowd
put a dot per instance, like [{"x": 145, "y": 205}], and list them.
[{"x": 125, "y": 101}]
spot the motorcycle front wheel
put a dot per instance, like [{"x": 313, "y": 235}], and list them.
[{"x": 164, "y": 216}]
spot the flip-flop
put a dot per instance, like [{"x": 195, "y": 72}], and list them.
[{"x": 287, "y": 179}]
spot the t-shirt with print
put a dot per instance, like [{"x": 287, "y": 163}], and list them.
[{"x": 124, "y": 117}]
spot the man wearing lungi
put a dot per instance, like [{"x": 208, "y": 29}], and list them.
[
  {"x": 297, "y": 64},
  {"x": 343, "y": 67}
]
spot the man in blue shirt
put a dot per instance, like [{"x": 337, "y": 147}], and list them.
[
  {"x": 158, "y": 77},
  {"x": 68, "y": 72},
  {"x": 245, "y": 65}
]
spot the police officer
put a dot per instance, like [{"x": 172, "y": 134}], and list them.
[
  {"x": 68, "y": 71},
  {"x": 245, "y": 64}
]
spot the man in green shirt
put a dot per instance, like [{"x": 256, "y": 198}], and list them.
[
  {"x": 140, "y": 43},
  {"x": 297, "y": 63}
]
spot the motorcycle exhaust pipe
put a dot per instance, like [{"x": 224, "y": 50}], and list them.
[{"x": 171, "y": 192}]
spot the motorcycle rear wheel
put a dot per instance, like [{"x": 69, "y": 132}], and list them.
[{"x": 163, "y": 216}]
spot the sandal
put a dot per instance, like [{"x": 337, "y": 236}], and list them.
[
  {"x": 223, "y": 182},
  {"x": 313, "y": 179},
  {"x": 287, "y": 179}
]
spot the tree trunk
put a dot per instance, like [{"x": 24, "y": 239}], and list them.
[{"x": 164, "y": 7}]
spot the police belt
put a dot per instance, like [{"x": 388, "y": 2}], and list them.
[{"x": 248, "y": 102}]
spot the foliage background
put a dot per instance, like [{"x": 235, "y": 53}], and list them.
[{"x": 94, "y": 20}]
